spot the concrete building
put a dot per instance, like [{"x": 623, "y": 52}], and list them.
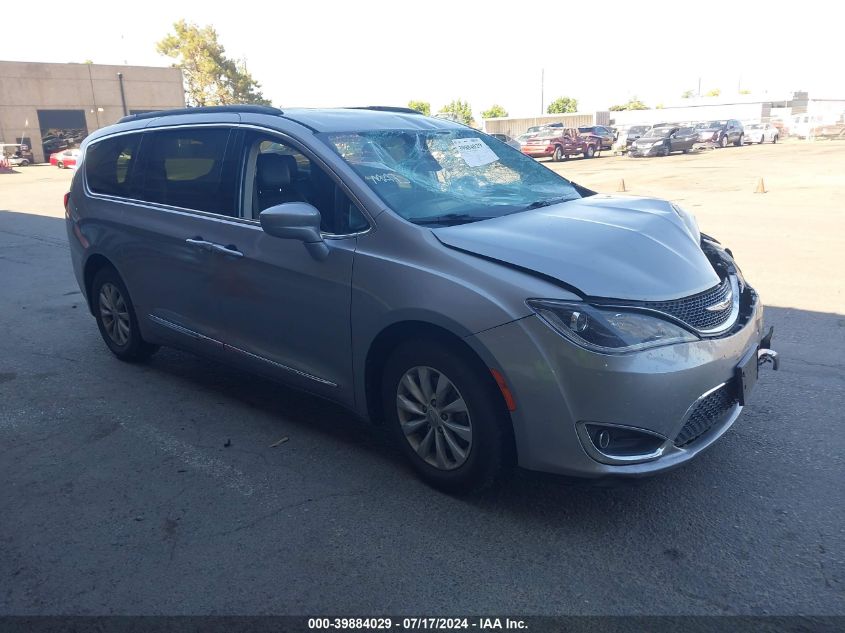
[
  {"x": 54, "y": 106},
  {"x": 514, "y": 126}
]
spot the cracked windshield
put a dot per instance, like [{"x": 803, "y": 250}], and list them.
[{"x": 447, "y": 177}]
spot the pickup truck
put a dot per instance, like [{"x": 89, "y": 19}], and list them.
[{"x": 560, "y": 144}]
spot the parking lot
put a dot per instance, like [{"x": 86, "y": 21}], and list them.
[{"x": 166, "y": 488}]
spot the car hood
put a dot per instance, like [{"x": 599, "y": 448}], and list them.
[{"x": 616, "y": 247}]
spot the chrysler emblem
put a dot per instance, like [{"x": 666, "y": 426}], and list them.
[{"x": 724, "y": 304}]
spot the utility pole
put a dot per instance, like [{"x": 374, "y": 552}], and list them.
[
  {"x": 699, "y": 87},
  {"x": 542, "y": 90}
]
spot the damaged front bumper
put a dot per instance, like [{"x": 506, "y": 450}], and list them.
[{"x": 588, "y": 414}]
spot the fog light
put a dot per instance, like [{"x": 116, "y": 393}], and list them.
[{"x": 619, "y": 444}]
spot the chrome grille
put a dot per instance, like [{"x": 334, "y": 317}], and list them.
[
  {"x": 693, "y": 310},
  {"x": 708, "y": 411}
]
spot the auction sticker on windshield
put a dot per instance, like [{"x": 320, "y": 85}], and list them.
[{"x": 474, "y": 151}]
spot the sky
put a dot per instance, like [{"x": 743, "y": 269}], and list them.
[{"x": 331, "y": 53}]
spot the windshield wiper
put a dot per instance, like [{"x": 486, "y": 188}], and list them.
[
  {"x": 450, "y": 219},
  {"x": 546, "y": 203}
]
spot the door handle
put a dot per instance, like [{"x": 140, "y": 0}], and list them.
[
  {"x": 214, "y": 247},
  {"x": 226, "y": 250},
  {"x": 199, "y": 243}
]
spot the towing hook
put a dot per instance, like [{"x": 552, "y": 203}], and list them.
[{"x": 766, "y": 356}]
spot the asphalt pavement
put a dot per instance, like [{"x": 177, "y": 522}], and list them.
[{"x": 167, "y": 488}]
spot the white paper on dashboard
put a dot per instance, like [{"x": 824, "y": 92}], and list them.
[{"x": 475, "y": 152}]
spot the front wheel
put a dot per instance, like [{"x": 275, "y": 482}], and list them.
[
  {"x": 116, "y": 318},
  {"x": 723, "y": 142},
  {"x": 589, "y": 152},
  {"x": 774, "y": 139},
  {"x": 60, "y": 165},
  {"x": 558, "y": 154},
  {"x": 447, "y": 415},
  {"x": 665, "y": 151}
]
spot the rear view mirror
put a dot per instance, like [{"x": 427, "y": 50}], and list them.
[{"x": 296, "y": 221}]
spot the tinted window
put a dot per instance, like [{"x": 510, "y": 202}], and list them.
[
  {"x": 185, "y": 168},
  {"x": 279, "y": 173},
  {"x": 109, "y": 165}
]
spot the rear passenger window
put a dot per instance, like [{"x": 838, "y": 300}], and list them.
[
  {"x": 110, "y": 163},
  {"x": 185, "y": 168}
]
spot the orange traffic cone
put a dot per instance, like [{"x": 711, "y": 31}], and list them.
[
  {"x": 761, "y": 187},
  {"x": 621, "y": 186}
]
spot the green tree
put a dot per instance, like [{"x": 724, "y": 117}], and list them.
[
  {"x": 495, "y": 111},
  {"x": 211, "y": 78},
  {"x": 420, "y": 106},
  {"x": 633, "y": 104},
  {"x": 461, "y": 110},
  {"x": 688, "y": 94},
  {"x": 713, "y": 93},
  {"x": 562, "y": 105}
]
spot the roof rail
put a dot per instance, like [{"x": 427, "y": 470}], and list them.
[
  {"x": 386, "y": 109},
  {"x": 256, "y": 109}
]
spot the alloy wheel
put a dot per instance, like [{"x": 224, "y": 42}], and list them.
[
  {"x": 114, "y": 314},
  {"x": 434, "y": 418}
]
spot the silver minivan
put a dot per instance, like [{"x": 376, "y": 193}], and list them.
[{"x": 432, "y": 279}]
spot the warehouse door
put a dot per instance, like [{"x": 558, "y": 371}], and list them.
[{"x": 61, "y": 129}]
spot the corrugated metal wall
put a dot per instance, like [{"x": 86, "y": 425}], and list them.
[{"x": 513, "y": 127}]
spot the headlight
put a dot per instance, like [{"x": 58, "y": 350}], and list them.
[{"x": 608, "y": 330}]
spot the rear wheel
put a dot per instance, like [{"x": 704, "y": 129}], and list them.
[
  {"x": 447, "y": 415},
  {"x": 738, "y": 142},
  {"x": 116, "y": 318}
]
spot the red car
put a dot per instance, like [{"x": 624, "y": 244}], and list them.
[
  {"x": 66, "y": 159},
  {"x": 560, "y": 144}
]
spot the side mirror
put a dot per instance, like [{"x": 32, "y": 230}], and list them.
[{"x": 296, "y": 221}]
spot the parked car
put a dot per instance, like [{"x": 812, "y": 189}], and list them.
[
  {"x": 606, "y": 135},
  {"x": 545, "y": 126},
  {"x": 720, "y": 132},
  {"x": 662, "y": 141},
  {"x": 760, "y": 133},
  {"x": 507, "y": 139},
  {"x": 561, "y": 144},
  {"x": 65, "y": 159},
  {"x": 627, "y": 136},
  {"x": 308, "y": 246},
  {"x": 17, "y": 154}
]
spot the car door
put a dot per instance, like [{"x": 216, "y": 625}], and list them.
[
  {"x": 282, "y": 311},
  {"x": 181, "y": 188}
]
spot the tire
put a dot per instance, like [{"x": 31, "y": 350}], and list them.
[
  {"x": 589, "y": 152},
  {"x": 738, "y": 142},
  {"x": 60, "y": 165},
  {"x": 484, "y": 433},
  {"x": 723, "y": 142},
  {"x": 762, "y": 139},
  {"x": 665, "y": 151},
  {"x": 774, "y": 139},
  {"x": 558, "y": 154},
  {"x": 24, "y": 163},
  {"x": 121, "y": 334}
]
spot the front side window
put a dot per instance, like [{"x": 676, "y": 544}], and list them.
[
  {"x": 110, "y": 163},
  {"x": 278, "y": 173},
  {"x": 185, "y": 168},
  {"x": 441, "y": 177}
]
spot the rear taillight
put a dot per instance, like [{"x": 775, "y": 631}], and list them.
[{"x": 67, "y": 199}]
